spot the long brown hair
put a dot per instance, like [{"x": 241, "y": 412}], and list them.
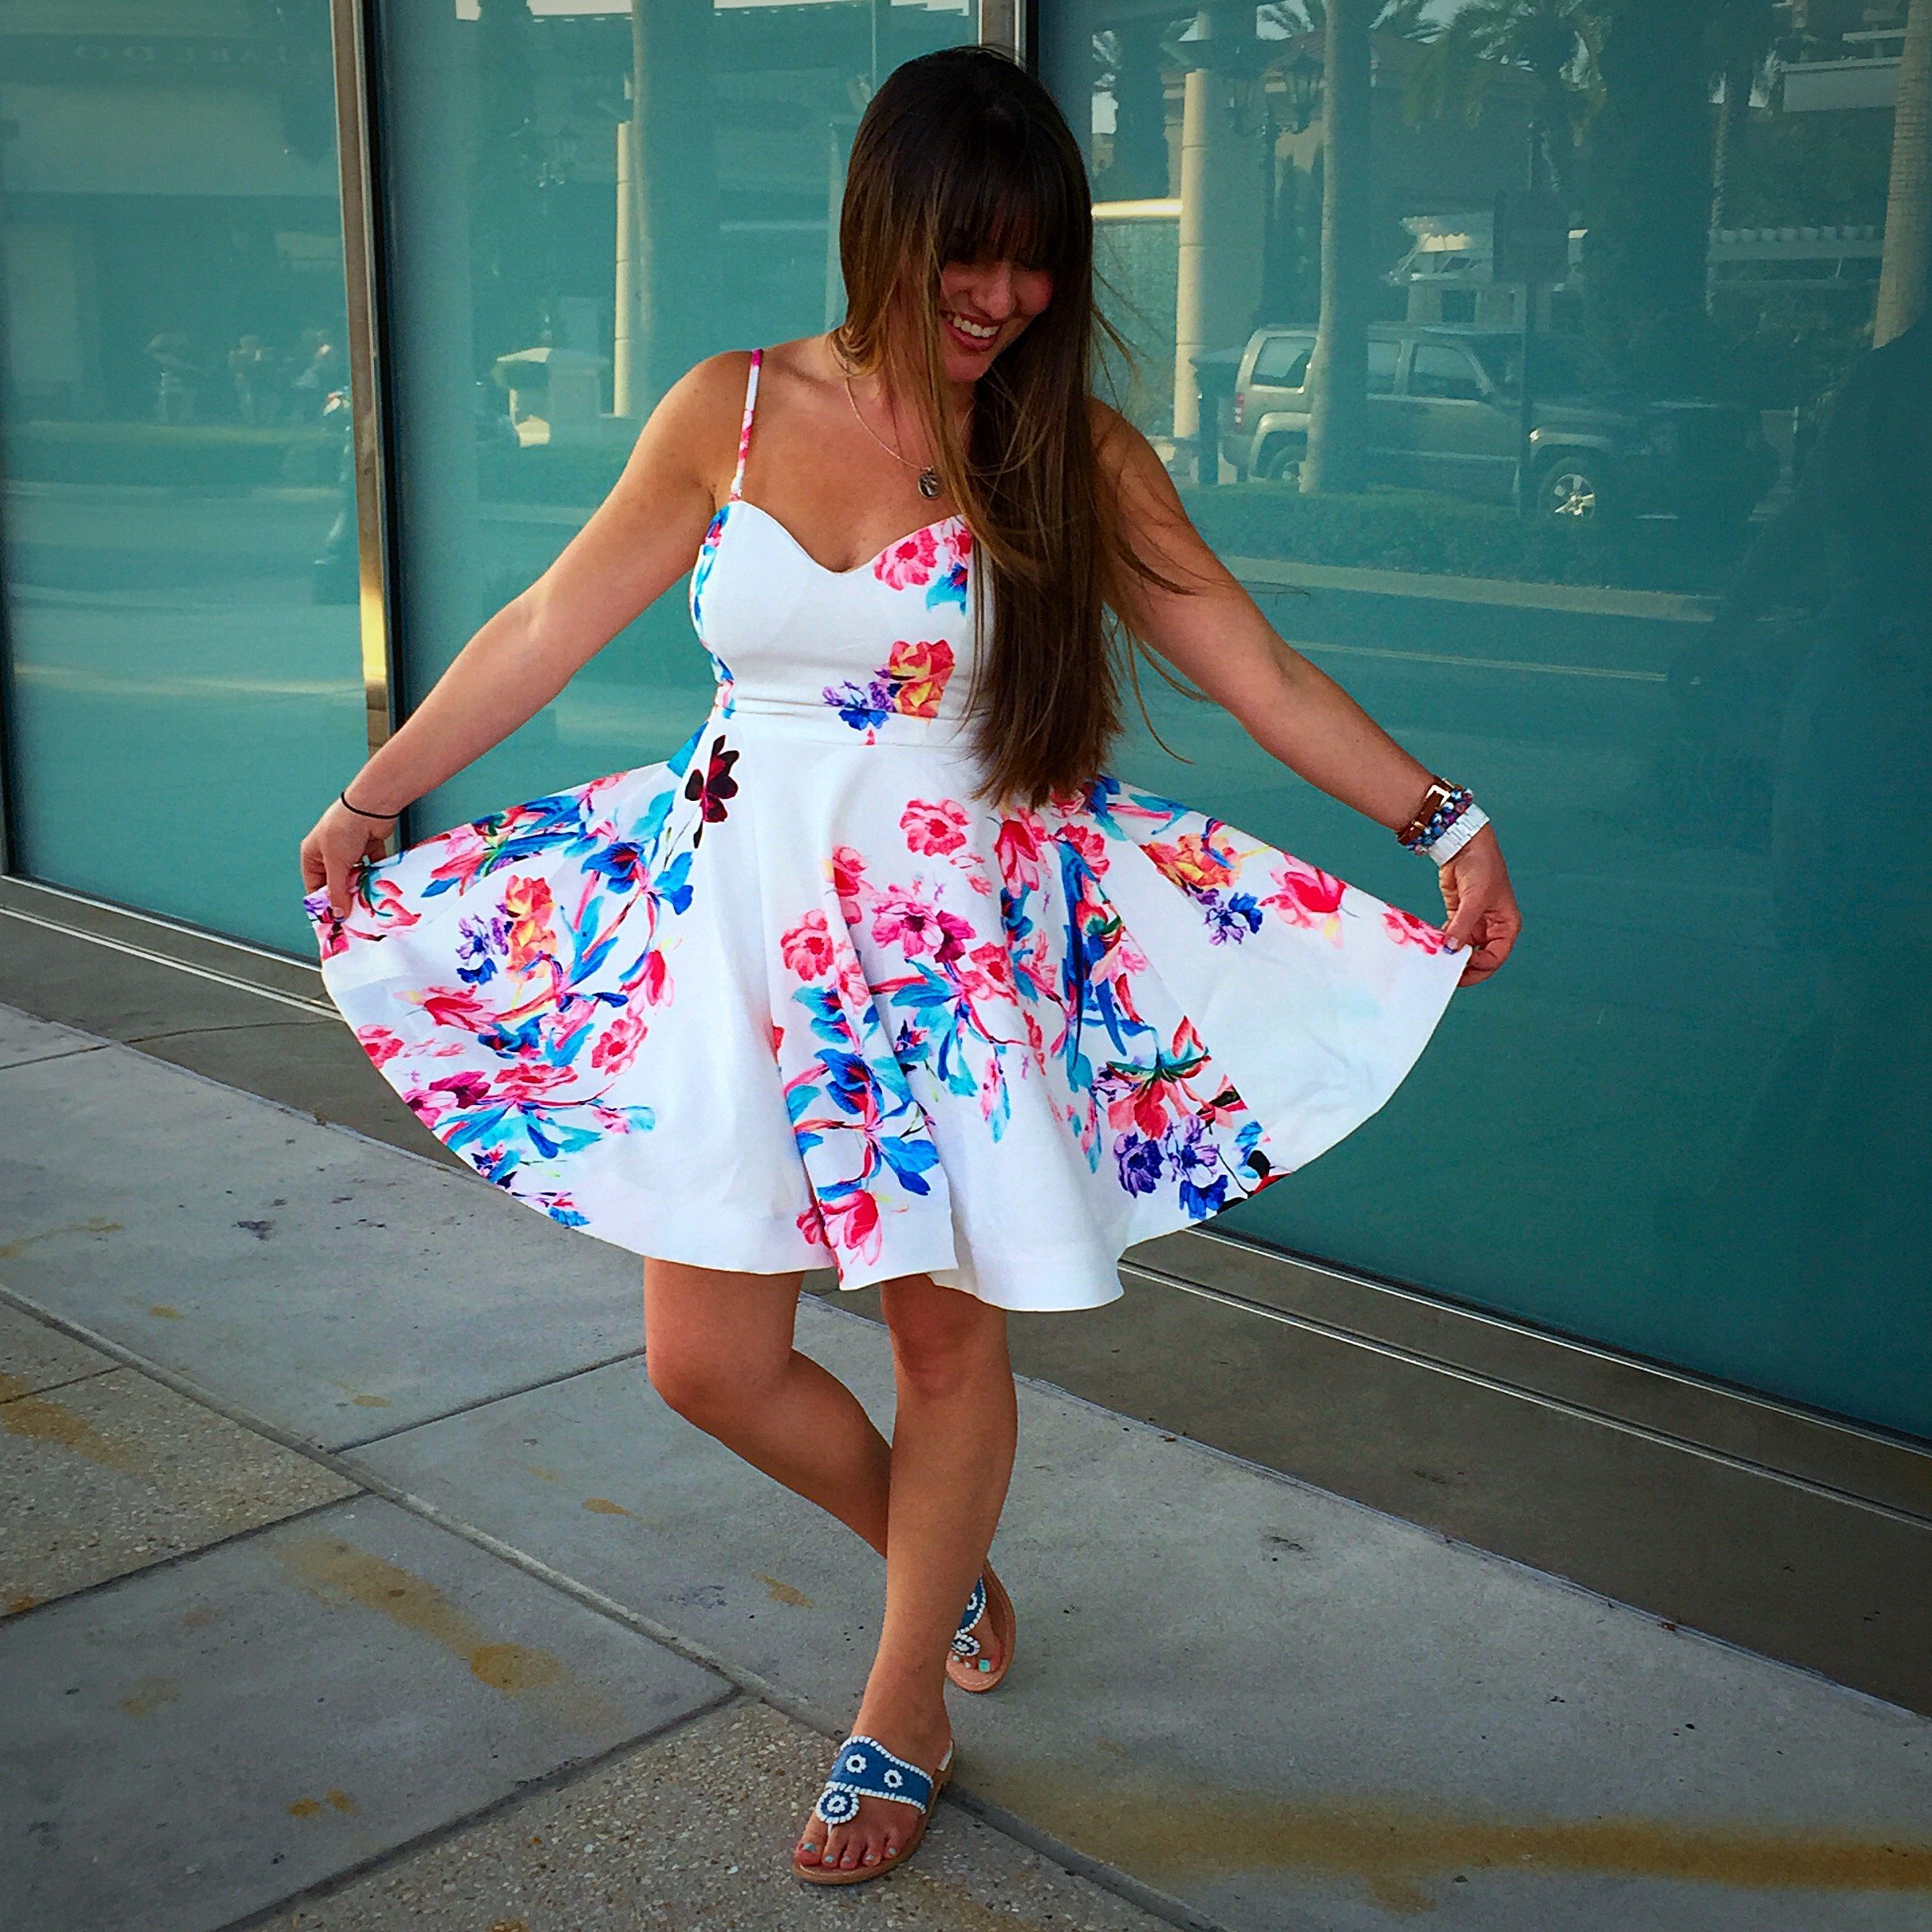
[{"x": 962, "y": 155}]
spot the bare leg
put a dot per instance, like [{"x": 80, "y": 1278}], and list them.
[
  {"x": 718, "y": 1348},
  {"x": 952, "y": 1459}
]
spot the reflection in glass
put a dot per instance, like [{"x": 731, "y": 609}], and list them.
[
  {"x": 585, "y": 198},
  {"x": 185, "y": 677},
  {"x": 1668, "y": 615}
]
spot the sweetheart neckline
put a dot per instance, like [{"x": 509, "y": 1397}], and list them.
[{"x": 825, "y": 569}]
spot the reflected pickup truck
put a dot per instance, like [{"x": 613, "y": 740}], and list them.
[{"x": 1444, "y": 411}]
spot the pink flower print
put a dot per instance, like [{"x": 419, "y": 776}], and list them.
[
  {"x": 852, "y": 1224},
  {"x": 616, "y": 1047},
  {"x": 934, "y": 826},
  {"x": 910, "y": 563},
  {"x": 991, "y": 971},
  {"x": 529, "y": 904},
  {"x": 1090, "y": 843},
  {"x": 1016, "y": 850},
  {"x": 1303, "y": 895},
  {"x": 807, "y": 948},
  {"x": 919, "y": 671},
  {"x": 452, "y": 1091},
  {"x": 916, "y": 928},
  {"x": 386, "y": 904},
  {"x": 459, "y": 1007},
  {"x": 467, "y": 850},
  {"x": 654, "y": 979},
  {"x": 848, "y": 881},
  {"x": 530, "y": 1080},
  {"x": 379, "y": 1044},
  {"x": 1406, "y": 928},
  {"x": 812, "y": 1226}
]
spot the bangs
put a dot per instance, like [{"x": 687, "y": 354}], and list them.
[{"x": 1005, "y": 195}]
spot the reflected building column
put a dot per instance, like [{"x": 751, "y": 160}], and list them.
[
  {"x": 1222, "y": 215},
  {"x": 432, "y": 345},
  {"x": 666, "y": 204}
]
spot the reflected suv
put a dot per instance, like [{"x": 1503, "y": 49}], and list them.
[{"x": 1445, "y": 407}]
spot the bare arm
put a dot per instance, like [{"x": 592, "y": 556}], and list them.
[
  {"x": 1214, "y": 633},
  {"x": 638, "y": 542}
]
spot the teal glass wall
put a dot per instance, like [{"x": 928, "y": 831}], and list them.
[
  {"x": 581, "y": 200},
  {"x": 185, "y": 682},
  {"x": 1690, "y": 679}
]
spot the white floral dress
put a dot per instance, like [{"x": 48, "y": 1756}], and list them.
[{"x": 797, "y": 998}]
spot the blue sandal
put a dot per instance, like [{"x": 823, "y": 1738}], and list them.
[
  {"x": 966, "y": 1667},
  {"x": 865, "y": 1769}
]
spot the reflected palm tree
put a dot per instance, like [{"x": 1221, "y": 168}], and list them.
[
  {"x": 1558, "y": 42},
  {"x": 1338, "y": 370}
]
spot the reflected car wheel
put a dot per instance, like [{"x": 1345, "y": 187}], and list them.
[
  {"x": 1570, "y": 489},
  {"x": 1281, "y": 460}
]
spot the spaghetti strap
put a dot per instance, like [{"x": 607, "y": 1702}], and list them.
[{"x": 744, "y": 428}]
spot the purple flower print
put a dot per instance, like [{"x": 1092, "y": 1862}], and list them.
[
  {"x": 480, "y": 943},
  {"x": 1198, "y": 1167},
  {"x": 864, "y": 707},
  {"x": 1231, "y": 916},
  {"x": 1139, "y": 1159}
]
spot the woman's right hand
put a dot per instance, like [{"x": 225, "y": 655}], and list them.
[{"x": 341, "y": 840}]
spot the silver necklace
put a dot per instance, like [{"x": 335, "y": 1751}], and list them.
[{"x": 928, "y": 477}]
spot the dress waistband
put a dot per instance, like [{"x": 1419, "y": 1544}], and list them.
[{"x": 827, "y": 724}]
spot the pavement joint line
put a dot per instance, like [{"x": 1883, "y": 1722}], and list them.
[
  {"x": 176, "y": 1559},
  {"x": 48, "y": 1388},
  {"x": 71, "y": 1053},
  {"x": 1555, "y": 1404},
  {"x": 553, "y": 1779},
  {"x": 484, "y": 1402},
  {"x": 307, "y": 1116},
  {"x": 231, "y": 980},
  {"x": 141, "y": 1040},
  {"x": 802, "y": 1710}
]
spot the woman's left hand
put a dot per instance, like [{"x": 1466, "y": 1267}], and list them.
[{"x": 1483, "y": 912}]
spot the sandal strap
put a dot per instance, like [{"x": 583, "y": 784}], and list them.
[
  {"x": 964, "y": 1643},
  {"x": 866, "y": 1769}
]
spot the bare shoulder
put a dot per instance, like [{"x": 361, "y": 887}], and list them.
[
  {"x": 1128, "y": 460},
  {"x": 694, "y": 426},
  {"x": 1132, "y": 465}
]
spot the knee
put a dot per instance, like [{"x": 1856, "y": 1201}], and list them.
[
  {"x": 701, "y": 1383},
  {"x": 949, "y": 1351}
]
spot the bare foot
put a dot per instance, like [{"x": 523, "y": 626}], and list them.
[
  {"x": 882, "y": 1826},
  {"x": 993, "y": 1635}
]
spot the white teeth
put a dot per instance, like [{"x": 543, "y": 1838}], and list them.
[{"x": 975, "y": 330}]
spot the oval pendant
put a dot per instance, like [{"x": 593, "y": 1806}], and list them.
[{"x": 929, "y": 482}]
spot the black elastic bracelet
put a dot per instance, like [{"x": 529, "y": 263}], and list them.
[{"x": 386, "y": 817}]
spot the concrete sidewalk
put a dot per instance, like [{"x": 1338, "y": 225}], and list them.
[{"x": 360, "y": 1579}]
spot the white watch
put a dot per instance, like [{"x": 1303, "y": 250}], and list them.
[{"x": 1471, "y": 820}]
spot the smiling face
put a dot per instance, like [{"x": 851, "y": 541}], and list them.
[{"x": 983, "y": 307}]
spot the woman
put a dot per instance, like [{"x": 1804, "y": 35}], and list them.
[{"x": 880, "y": 972}]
